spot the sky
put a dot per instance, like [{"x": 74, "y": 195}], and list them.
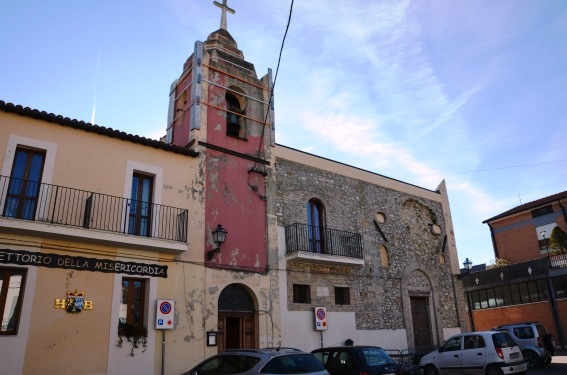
[{"x": 472, "y": 92}]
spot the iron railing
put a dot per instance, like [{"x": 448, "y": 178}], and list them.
[
  {"x": 34, "y": 201},
  {"x": 309, "y": 238}
]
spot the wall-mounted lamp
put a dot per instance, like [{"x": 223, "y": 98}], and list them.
[
  {"x": 467, "y": 265},
  {"x": 219, "y": 236}
]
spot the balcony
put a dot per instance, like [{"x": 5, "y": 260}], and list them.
[
  {"x": 24, "y": 202},
  {"x": 312, "y": 244},
  {"x": 558, "y": 261}
]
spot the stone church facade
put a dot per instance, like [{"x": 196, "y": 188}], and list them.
[{"x": 399, "y": 281}]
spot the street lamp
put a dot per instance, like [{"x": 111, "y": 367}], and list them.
[
  {"x": 544, "y": 242},
  {"x": 467, "y": 264},
  {"x": 219, "y": 236}
]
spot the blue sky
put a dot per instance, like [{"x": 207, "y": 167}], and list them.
[{"x": 473, "y": 92}]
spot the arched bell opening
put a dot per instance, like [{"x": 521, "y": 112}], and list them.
[{"x": 234, "y": 120}]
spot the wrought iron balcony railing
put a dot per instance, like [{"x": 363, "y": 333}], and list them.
[
  {"x": 34, "y": 201},
  {"x": 309, "y": 238}
]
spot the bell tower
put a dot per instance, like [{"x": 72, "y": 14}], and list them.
[{"x": 220, "y": 107}]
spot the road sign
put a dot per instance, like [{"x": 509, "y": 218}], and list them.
[
  {"x": 320, "y": 319},
  {"x": 165, "y": 314}
]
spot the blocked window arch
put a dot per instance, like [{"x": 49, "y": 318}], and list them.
[{"x": 384, "y": 256}]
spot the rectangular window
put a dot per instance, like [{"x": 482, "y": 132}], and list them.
[
  {"x": 499, "y": 296},
  {"x": 559, "y": 287},
  {"x": 524, "y": 294},
  {"x": 11, "y": 297},
  {"x": 301, "y": 293},
  {"x": 25, "y": 182},
  {"x": 140, "y": 218},
  {"x": 133, "y": 302},
  {"x": 542, "y": 211},
  {"x": 342, "y": 296},
  {"x": 542, "y": 288},
  {"x": 475, "y": 300},
  {"x": 483, "y": 299},
  {"x": 491, "y": 298},
  {"x": 516, "y": 300},
  {"x": 507, "y": 295}
]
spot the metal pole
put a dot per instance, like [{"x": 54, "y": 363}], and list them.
[
  {"x": 163, "y": 352},
  {"x": 321, "y": 339}
]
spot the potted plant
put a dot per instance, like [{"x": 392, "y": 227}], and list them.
[{"x": 135, "y": 334}]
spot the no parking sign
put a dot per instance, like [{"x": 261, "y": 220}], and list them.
[
  {"x": 165, "y": 314},
  {"x": 320, "y": 319}
]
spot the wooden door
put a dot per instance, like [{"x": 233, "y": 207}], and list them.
[{"x": 421, "y": 321}]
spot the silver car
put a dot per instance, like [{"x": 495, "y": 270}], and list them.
[
  {"x": 482, "y": 353},
  {"x": 260, "y": 361}
]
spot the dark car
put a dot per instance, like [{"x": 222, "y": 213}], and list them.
[
  {"x": 356, "y": 360},
  {"x": 260, "y": 361}
]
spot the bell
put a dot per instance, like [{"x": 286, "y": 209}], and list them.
[{"x": 232, "y": 119}]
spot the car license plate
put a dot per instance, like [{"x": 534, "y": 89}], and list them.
[{"x": 514, "y": 355}]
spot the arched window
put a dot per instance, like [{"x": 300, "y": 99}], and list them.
[
  {"x": 232, "y": 118},
  {"x": 316, "y": 226}
]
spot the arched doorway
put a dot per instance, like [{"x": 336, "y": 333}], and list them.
[{"x": 237, "y": 325}]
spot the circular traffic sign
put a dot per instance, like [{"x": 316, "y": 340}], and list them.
[
  {"x": 165, "y": 307},
  {"x": 321, "y": 314}
]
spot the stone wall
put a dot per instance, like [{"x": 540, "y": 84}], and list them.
[{"x": 379, "y": 294}]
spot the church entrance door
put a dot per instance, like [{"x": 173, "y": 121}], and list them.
[
  {"x": 420, "y": 321},
  {"x": 236, "y": 319}
]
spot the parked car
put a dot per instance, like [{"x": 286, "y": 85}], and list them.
[
  {"x": 482, "y": 353},
  {"x": 260, "y": 361},
  {"x": 537, "y": 345},
  {"x": 356, "y": 360}
]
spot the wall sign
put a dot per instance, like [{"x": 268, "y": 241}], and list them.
[
  {"x": 28, "y": 258},
  {"x": 165, "y": 314},
  {"x": 320, "y": 319},
  {"x": 74, "y": 303}
]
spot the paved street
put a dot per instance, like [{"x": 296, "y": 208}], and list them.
[{"x": 557, "y": 367}]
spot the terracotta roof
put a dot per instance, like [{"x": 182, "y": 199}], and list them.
[
  {"x": 81, "y": 125},
  {"x": 530, "y": 206}
]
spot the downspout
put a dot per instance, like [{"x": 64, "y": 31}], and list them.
[
  {"x": 564, "y": 216},
  {"x": 493, "y": 240}
]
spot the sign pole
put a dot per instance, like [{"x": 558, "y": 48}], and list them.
[
  {"x": 321, "y": 339},
  {"x": 163, "y": 352}
]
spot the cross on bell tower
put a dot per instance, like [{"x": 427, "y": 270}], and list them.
[{"x": 224, "y": 9}]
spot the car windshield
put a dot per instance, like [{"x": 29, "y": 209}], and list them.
[
  {"x": 227, "y": 364},
  {"x": 374, "y": 357},
  {"x": 503, "y": 340},
  {"x": 293, "y": 364}
]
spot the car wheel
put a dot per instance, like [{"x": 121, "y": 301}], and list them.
[
  {"x": 493, "y": 370},
  {"x": 430, "y": 370},
  {"x": 546, "y": 361},
  {"x": 532, "y": 359}
]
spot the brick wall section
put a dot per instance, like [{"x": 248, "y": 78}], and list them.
[
  {"x": 533, "y": 312},
  {"x": 377, "y": 293},
  {"x": 519, "y": 243}
]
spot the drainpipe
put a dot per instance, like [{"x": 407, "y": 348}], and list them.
[
  {"x": 556, "y": 317},
  {"x": 493, "y": 240},
  {"x": 564, "y": 216}
]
